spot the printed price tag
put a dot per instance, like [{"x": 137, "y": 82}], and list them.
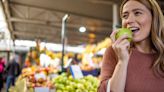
[
  {"x": 42, "y": 89},
  {"x": 76, "y": 71}
]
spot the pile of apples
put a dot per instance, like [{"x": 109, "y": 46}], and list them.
[{"x": 65, "y": 83}]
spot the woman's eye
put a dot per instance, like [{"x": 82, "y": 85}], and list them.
[
  {"x": 124, "y": 16},
  {"x": 137, "y": 13}
]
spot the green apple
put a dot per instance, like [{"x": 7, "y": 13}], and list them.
[
  {"x": 58, "y": 90},
  {"x": 124, "y": 31}
]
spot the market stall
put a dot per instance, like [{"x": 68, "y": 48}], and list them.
[{"x": 43, "y": 70}]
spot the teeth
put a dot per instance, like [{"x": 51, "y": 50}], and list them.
[{"x": 134, "y": 28}]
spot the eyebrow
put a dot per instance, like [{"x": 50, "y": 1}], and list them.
[{"x": 136, "y": 9}]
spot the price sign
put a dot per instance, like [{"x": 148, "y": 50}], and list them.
[
  {"x": 42, "y": 89},
  {"x": 76, "y": 71}
]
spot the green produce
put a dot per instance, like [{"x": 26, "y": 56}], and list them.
[
  {"x": 64, "y": 83},
  {"x": 124, "y": 31}
]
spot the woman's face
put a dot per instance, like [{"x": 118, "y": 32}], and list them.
[{"x": 138, "y": 18}]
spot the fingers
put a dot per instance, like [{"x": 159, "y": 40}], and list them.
[
  {"x": 112, "y": 36},
  {"x": 122, "y": 49},
  {"x": 124, "y": 44},
  {"x": 121, "y": 43},
  {"x": 120, "y": 39}
]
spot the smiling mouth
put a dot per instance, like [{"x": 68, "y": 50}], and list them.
[{"x": 134, "y": 30}]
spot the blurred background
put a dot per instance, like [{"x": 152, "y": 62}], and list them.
[{"x": 31, "y": 33}]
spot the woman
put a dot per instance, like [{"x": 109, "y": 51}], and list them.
[{"x": 137, "y": 66}]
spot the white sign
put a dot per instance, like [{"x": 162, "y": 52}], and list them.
[
  {"x": 42, "y": 89},
  {"x": 76, "y": 71},
  {"x": 68, "y": 63}
]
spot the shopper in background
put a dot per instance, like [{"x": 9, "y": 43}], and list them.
[
  {"x": 136, "y": 66},
  {"x": 13, "y": 70},
  {"x": 2, "y": 66},
  {"x": 76, "y": 60}
]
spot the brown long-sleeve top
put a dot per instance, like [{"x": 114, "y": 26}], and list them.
[{"x": 140, "y": 75}]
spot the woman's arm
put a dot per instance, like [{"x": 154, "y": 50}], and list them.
[
  {"x": 121, "y": 48},
  {"x": 108, "y": 65},
  {"x": 118, "y": 80}
]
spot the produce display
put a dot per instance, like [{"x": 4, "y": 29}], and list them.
[
  {"x": 89, "y": 59},
  {"x": 97, "y": 47},
  {"x": 86, "y": 59},
  {"x": 66, "y": 83},
  {"x": 38, "y": 74},
  {"x": 61, "y": 83},
  {"x": 31, "y": 75}
]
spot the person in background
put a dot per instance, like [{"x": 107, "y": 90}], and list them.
[
  {"x": 76, "y": 60},
  {"x": 136, "y": 66},
  {"x": 13, "y": 70},
  {"x": 2, "y": 66}
]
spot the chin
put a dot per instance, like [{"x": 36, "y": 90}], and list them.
[
  {"x": 139, "y": 40},
  {"x": 136, "y": 40}
]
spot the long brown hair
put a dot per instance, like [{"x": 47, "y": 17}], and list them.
[{"x": 157, "y": 32}]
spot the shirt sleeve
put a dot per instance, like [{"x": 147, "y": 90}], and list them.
[{"x": 108, "y": 65}]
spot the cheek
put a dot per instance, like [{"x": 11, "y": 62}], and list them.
[
  {"x": 146, "y": 24},
  {"x": 146, "y": 20}
]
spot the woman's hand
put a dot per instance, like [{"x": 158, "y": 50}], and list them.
[{"x": 121, "y": 46}]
